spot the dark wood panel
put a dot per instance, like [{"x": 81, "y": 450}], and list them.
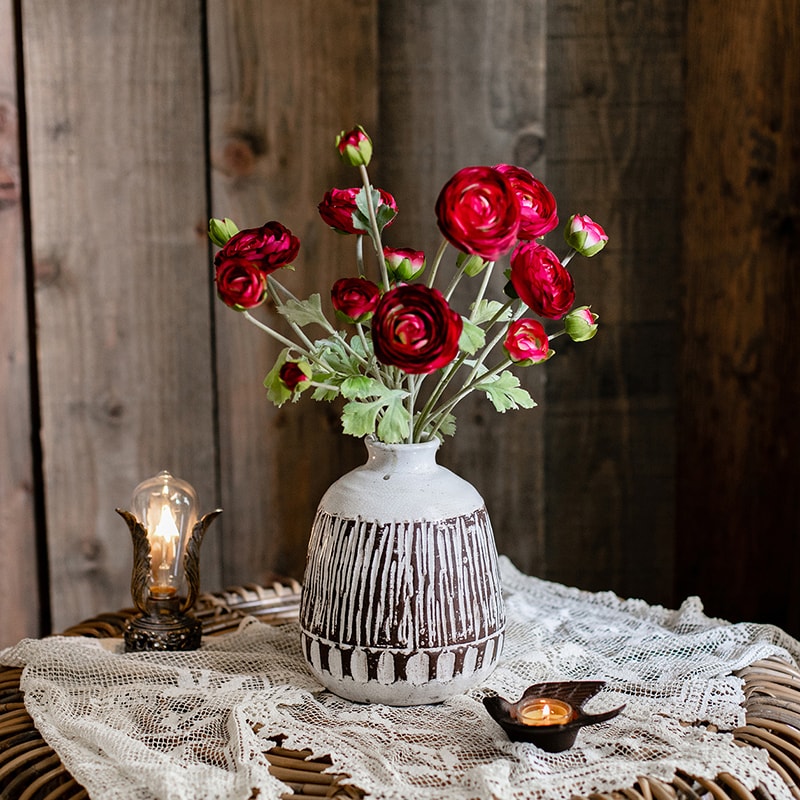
[
  {"x": 738, "y": 504},
  {"x": 614, "y": 152},
  {"x": 19, "y": 596},
  {"x": 463, "y": 83},
  {"x": 115, "y": 109},
  {"x": 286, "y": 78}
]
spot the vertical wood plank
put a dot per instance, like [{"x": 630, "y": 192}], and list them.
[
  {"x": 738, "y": 505},
  {"x": 115, "y": 109},
  {"x": 19, "y": 595},
  {"x": 461, "y": 84},
  {"x": 614, "y": 152},
  {"x": 285, "y": 79}
]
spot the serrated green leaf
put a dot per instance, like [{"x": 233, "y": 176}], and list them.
[
  {"x": 472, "y": 338},
  {"x": 486, "y": 311},
  {"x": 304, "y": 312},
  {"x": 359, "y": 387},
  {"x": 359, "y": 418},
  {"x": 393, "y": 425},
  {"x": 504, "y": 392},
  {"x": 277, "y": 391}
]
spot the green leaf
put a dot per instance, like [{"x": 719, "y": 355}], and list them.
[
  {"x": 505, "y": 392},
  {"x": 361, "y": 417},
  {"x": 472, "y": 338},
  {"x": 304, "y": 312},
  {"x": 359, "y": 387},
  {"x": 393, "y": 426},
  {"x": 277, "y": 391},
  {"x": 486, "y": 311}
]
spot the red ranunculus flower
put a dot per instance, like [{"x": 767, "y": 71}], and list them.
[
  {"x": 292, "y": 375},
  {"x": 541, "y": 280},
  {"x": 355, "y": 299},
  {"x": 478, "y": 212},
  {"x": 526, "y": 342},
  {"x": 537, "y": 206},
  {"x": 415, "y": 329},
  {"x": 241, "y": 284},
  {"x": 339, "y": 205},
  {"x": 269, "y": 247}
]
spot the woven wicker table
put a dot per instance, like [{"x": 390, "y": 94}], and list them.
[{"x": 31, "y": 770}]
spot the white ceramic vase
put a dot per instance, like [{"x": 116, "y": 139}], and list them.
[{"x": 401, "y": 599}]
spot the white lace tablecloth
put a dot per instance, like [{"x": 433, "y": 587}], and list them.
[{"x": 196, "y": 725}]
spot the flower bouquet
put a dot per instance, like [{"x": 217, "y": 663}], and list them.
[{"x": 401, "y": 357}]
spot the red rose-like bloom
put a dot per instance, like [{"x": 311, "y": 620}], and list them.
[
  {"x": 355, "y": 299},
  {"x": 241, "y": 284},
  {"x": 541, "y": 280},
  {"x": 339, "y": 205},
  {"x": 478, "y": 212},
  {"x": 537, "y": 206},
  {"x": 269, "y": 247},
  {"x": 292, "y": 375},
  {"x": 415, "y": 329},
  {"x": 526, "y": 342}
]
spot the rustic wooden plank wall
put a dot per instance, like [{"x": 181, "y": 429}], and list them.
[
  {"x": 19, "y": 595},
  {"x": 144, "y": 117},
  {"x": 738, "y": 504}
]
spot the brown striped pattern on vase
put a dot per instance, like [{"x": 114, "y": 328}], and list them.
[{"x": 402, "y": 612}]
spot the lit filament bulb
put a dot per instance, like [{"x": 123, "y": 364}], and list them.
[{"x": 163, "y": 554}]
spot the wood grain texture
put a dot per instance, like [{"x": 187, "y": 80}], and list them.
[
  {"x": 738, "y": 504},
  {"x": 285, "y": 79},
  {"x": 19, "y": 586},
  {"x": 614, "y": 152},
  {"x": 461, "y": 84},
  {"x": 115, "y": 109}
]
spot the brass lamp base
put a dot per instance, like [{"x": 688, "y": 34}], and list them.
[{"x": 164, "y": 628}]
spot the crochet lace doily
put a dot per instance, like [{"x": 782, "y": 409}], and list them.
[{"x": 196, "y": 725}]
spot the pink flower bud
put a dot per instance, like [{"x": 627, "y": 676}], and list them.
[
  {"x": 584, "y": 235},
  {"x": 527, "y": 343},
  {"x": 241, "y": 285},
  {"x": 404, "y": 264},
  {"x": 541, "y": 280},
  {"x": 294, "y": 373},
  {"x": 355, "y": 147},
  {"x": 581, "y": 324}
]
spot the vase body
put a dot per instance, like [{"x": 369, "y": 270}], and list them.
[{"x": 401, "y": 599}]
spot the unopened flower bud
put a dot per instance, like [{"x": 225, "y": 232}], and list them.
[
  {"x": 584, "y": 235},
  {"x": 404, "y": 265},
  {"x": 295, "y": 373},
  {"x": 355, "y": 147},
  {"x": 581, "y": 324},
  {"x": 471, "y": 264},
  {"x": 220, "y": 230}
]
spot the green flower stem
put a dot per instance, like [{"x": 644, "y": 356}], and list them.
[
  {"x": 360, "y": 256},
  {"x": 413, "y": 388},
  {"x": 441, "y": 413},
  {"x": 487, "y": 274},
  {"x": 376, "y": 234},
  {"x": 568, "y": 257},
  {"x": 437, "y": 392},
  {"x": 437, "y": 259},
  {"x": 556, "y": 334},
  {"x": 275, "y": 335},
  {"x": 272, "y": 284},
  {"x": 456, "y": 279}
]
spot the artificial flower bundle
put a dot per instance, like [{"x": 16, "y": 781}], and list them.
[{"x": 401, "y": 357}]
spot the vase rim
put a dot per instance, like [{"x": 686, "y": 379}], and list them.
[{"x": 373, "y": 442}]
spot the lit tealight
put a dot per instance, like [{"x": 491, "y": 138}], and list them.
[{"x": 543, "y": 711}]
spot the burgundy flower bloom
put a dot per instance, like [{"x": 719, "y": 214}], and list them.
[
  {"x": 269, "y": 247},
  {"x": 415, "y": 329},
  {"x": 292, "y": 375},
  {"x": 541, "y": 281},
  {"x": 478, "y": 212},
  {"x": 339, "y": 205},
  {"x": 538, "y": 213},
  {"x": 526, "y": 342},
  {"x": 355, "y": 299},
  {"x": 241, "y": 284}
]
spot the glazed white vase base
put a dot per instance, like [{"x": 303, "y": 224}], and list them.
[{"x": 401, "y": 678}]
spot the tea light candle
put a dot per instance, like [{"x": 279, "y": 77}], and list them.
[{"x": 543, "y": 711}]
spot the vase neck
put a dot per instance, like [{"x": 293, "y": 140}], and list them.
[{"x": 412, "y": 458}]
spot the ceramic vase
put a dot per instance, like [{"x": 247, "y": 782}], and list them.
[{"x": 401, "y": 599}]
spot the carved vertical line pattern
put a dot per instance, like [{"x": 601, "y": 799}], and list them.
[{"x": 363, "y": 591}]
